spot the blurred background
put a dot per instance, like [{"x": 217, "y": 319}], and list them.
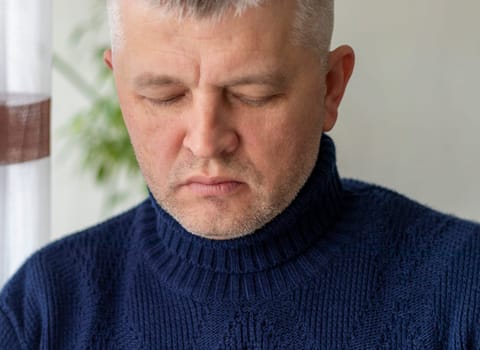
[{"x": 409, "y": 121}]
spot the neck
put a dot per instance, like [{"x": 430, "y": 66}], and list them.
[{"x": 212, "y": 269}]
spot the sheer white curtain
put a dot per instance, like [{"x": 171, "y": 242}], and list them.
[
  {"x": 24, "y": 211},
  {"x": 25, "y": 76}
]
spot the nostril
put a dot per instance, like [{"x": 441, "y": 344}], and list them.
[
  {"x": 211, "y": 143},
  {"x": 232, "y": 141}
]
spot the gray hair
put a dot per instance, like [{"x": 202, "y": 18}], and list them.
[{"x": 313, "y": 25}]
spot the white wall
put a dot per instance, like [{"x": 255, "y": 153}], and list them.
[{"x": 409, "y": 120}]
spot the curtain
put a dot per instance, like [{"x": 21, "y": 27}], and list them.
[{"x": 25, "y": 78}]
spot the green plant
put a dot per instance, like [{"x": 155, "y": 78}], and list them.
[{"x": 98, "y": 131}]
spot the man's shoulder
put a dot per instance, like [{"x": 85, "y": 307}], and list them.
[
  {"x": 392, "y": 204},
  {"x": 407, "y": 228},
  {"x": 412, "y": 235},
  {"x": 427, "y": 263},
  {"x": 78, "y": 271},
  {"x": 78, "y": 253}
]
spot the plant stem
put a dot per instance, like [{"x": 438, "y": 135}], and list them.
[{"x": 71, "y": 74}]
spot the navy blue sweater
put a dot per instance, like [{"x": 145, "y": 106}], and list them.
[{"x": 346, "y": 266}]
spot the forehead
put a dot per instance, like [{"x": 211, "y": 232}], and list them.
[{"x": 213, "y": 50}]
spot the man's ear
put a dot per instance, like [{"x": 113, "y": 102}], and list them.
[
  {"x": 340, "y": 67},
  {"x": 107, "y": 58}
]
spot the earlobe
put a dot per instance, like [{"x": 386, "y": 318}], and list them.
[
  {"x": 340, "y": 67},
  {"x": 107, "y": 58}
]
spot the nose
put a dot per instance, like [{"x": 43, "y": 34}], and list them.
[{"x": 210, "y": 132}]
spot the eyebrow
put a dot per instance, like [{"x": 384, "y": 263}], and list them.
[{"x": 146, "y": 80}]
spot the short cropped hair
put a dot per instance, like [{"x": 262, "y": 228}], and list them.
[{"x": 313, "y": 25}]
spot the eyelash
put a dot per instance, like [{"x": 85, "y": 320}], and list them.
[
  {"x": 253, "y": 102},
  {"x": 163, "y": 103}
]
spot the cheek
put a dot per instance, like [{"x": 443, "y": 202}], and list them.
[
  {"x": 292, "y": 130},
  {"x": 156, "y": 143},
  {"x": 284, "y": 142}
]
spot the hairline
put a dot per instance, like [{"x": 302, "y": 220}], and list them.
[{"x": 318, "y": 37}]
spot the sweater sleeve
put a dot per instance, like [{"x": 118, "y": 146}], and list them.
[
  {"x": 473, "y": 282},
  {"x": 477, "y": 308},
  {"x": 8, "y": 336}
]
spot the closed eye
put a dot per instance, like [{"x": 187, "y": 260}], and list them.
[
  {"x": 254, "y": 101},
  {"x": 165, "y": 101}
]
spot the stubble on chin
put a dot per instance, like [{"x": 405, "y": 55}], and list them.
[
  {"x": 235, "y": 216},
  {"x": 213, "y": 217}
]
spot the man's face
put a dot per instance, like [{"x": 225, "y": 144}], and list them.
[{"x": 225, "y": 116}]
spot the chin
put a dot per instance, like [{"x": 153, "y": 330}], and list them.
[{"x": 212, "y": 229}]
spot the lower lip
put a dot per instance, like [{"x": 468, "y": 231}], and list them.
[{"x": 219, "y": 189}]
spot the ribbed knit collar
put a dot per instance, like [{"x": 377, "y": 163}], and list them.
[{"x": 273, "y": 259}]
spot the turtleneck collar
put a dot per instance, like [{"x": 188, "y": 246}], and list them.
[{"x": 276, "y": 257}]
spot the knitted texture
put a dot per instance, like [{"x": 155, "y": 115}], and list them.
[{"x": 347, "y": 265}]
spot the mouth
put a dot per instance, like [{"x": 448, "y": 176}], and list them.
[{"x": 212, "y": 186}]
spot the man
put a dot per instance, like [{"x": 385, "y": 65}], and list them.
[{"x": 249, "y": 239}]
